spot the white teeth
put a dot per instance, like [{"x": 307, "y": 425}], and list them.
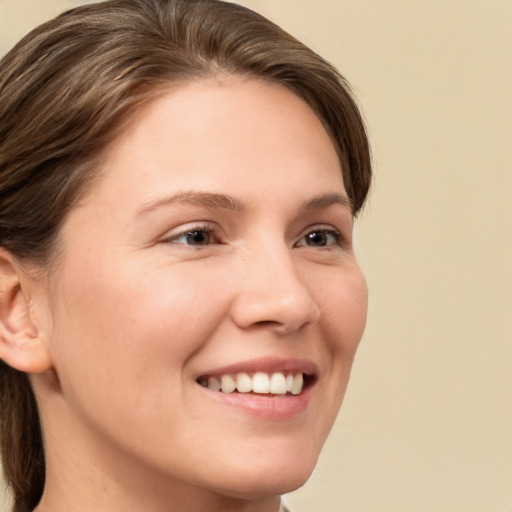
[
  {"x": 228, "y": 384},
  {"x": 298, "y": 381},
  {"x": 243, "y": 383},
  {"x": 276, "y": 383},
  {"x": 261, "y": 383}
]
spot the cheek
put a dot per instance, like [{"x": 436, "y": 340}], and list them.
[
  {"x": 343, "y": 303},
  {"x": 344, "y": 309},
  {"x": 123, "y": 340},
  {"x": 125, "y": 318},
  {"x": 177, "y": 314}
]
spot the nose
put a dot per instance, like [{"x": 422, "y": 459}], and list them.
[{"x": 272, "y": 293}]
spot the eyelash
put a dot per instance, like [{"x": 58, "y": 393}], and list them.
[{"x": 207, "y": 231}]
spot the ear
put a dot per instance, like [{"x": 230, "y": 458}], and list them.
[{"x": 21, "y": 345}]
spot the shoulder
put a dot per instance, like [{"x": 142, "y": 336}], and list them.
[{"x": 284, "y": 508}]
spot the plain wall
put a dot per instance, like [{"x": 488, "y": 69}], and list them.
[{"x": 427, "y": 421}]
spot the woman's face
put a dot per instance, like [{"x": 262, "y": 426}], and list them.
[{"x": 216, "y": 246}]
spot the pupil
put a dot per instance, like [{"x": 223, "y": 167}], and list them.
[
  {"x": 197, "y": 237},
  {"x": 317, "y": 238}
]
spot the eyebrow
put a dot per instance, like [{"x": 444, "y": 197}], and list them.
[
  {"x": 326, "y": 200},
  {"x": 204, "y": 199},
  {"x": 225, "y": 202}
]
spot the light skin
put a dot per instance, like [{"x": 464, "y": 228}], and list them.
[{"x": 219, "y": 233}]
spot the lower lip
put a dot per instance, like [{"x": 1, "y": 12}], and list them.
[{"x": 269, "y": 407}]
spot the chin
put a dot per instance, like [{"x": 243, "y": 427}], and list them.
[
  {"x": 263, "y": 487},
  {"x": 270, "y": 477}
]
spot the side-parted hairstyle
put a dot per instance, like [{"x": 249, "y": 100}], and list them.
[{"x": 66, "y": 90}]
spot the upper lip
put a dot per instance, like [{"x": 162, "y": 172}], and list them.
[{"x": 267, "y": 365}]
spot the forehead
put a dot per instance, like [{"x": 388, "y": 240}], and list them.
[{"x": 218, "y": 132}]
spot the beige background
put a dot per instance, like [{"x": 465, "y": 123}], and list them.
[{"x": 427, "y": 422}]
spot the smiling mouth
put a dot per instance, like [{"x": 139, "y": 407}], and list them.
[{"x": 260, "y": 383}]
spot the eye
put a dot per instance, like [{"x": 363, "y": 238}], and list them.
[
  {"x": 196, "y": 236},
  {"x": 321, "y": 237}
]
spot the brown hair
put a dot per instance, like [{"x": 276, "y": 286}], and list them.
[{"x": 65, "y": 90}]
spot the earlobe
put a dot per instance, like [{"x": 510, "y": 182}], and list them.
[{"x": 21, "y": 345}]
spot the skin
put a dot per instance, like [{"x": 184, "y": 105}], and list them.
[{"x": 134, "y": 312}]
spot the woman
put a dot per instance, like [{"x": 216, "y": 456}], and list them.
[{"x": 180, "y": 301}]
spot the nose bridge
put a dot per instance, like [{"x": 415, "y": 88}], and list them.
[{"x": 272, "y": 291}]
